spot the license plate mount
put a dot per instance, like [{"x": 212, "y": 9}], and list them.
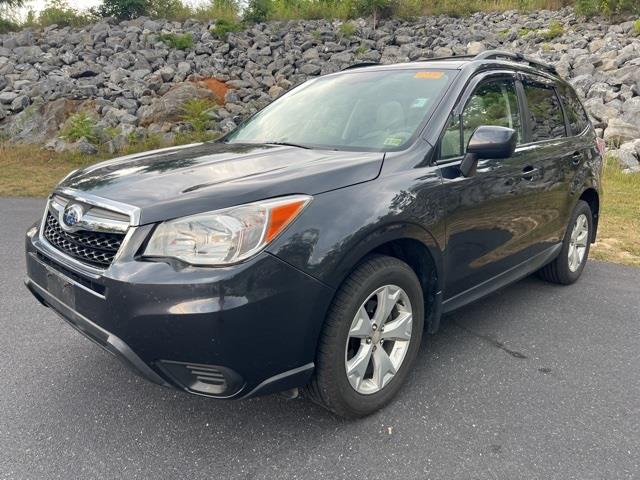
[{"x": 61, "y": 288}]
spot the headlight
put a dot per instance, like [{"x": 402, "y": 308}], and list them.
[{"x": 223, "y": 237}]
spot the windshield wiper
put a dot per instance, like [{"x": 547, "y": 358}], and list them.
[{"x": 288, "y": 144}]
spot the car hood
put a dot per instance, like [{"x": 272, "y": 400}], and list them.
[{"x": 180, "y": 181}]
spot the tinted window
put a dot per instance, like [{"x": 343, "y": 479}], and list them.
[
  {"x": 359, "y": 110},
  {"x": 576, "y": 115},
  {"x": 492, "y": 103},
  {"x": 545, "y": 114}
]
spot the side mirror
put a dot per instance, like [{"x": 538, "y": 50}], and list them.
[{"x": 488, "y": 141}]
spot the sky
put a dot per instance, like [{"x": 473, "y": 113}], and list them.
[
  {"x": 38, "y": 5},
  {"x": 79, "y": 4}
]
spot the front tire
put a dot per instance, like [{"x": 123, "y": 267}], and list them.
[
  {"x": 568, "y": 265},
  {"x": 370, "y": 339}
]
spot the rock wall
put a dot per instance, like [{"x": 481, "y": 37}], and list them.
[{"x": 134, "y": 84}]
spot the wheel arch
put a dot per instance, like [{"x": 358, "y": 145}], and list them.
[
  {"x": 592, "y": 197},
  {"x": 413, "y": 245}
]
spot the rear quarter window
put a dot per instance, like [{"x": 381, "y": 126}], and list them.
[
  {"x": 576, "y": 115},
  {"x": 545, "y": 114}
]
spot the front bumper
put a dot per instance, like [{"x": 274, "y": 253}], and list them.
[{"x": 227, "y": 332}]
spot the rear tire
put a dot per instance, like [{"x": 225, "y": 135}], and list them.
[
  {"x": 567, "y": 267},
  {"x": 360, "y": 364}
]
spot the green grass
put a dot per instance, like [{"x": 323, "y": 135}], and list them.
[
  {"x": 30, "y": 171},
  {"x": 361, "y": 50},
  {"x": 177, "y": 41},
  {"x": 227, "y": 13},
  {"x": 636, "y": 27},
  {"x": 554, "y": 30},
  {"x": 619, "y": 222}
]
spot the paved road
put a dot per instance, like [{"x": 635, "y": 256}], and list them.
[{"x": 534, "y": 382}]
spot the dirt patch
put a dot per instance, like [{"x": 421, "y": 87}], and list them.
[{"x": 218, "y": 88}]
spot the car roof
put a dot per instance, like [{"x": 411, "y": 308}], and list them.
[{"x": 487, "y": 59}]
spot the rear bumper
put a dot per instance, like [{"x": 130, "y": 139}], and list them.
[{"x": 229, "y": 332}]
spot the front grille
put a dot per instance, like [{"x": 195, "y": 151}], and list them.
[{"x": 97, "y": 249}]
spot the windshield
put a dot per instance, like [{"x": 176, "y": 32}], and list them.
[{"x": 375, "y": 110}]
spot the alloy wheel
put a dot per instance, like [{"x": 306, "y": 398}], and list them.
[
  {"x": 378, "y": 339},
  {"x": 578, "y": 242}
]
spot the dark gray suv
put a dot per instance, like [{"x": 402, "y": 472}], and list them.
[{"x": 313, "y": 245}]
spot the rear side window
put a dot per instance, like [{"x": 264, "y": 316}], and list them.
[
  {"x": 545, "y": 114},
  {"x": 492, "y": 103},
  {"x": 574, "y": 110}
]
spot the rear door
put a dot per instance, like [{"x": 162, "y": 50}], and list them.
[
  {"x": 552, "y": 155},
  {"x": 490, "y": 227}
]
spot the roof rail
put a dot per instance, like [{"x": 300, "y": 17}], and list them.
[
  {"x": 370, "y": 64},
  {"x": 359, "y": 65},
  {"x": 516, "y": 57},
  {"x": 450, "y": 57}
]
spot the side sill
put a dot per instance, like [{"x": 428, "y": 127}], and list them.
[{"x": 501, "y": 280}]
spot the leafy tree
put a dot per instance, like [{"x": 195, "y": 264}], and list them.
[
  {"x": 257, "y": 10},
  {"x": 123, "y": 9}
]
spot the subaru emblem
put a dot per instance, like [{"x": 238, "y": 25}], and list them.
[{"x": 72, "y": 215}]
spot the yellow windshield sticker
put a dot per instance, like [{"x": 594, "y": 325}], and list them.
[
  {"x": 393, "y": 141},
  {"x": 429, "y": 75}
]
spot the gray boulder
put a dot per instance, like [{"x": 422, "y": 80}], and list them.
[
  {"x": 169, "y": 107},
  {"x": 618, "y": 132},
  {"x": 627, "y": 156}
]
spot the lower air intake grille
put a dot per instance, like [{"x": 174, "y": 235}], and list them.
[
  {"x": 206, "y": 379},
  {"x": 97, "y": 249}
]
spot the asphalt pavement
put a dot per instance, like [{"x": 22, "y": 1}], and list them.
[{"x": 534, "y": 382}]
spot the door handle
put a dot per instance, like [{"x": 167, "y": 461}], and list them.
[
  {"x": 529, "y": 172},
  {"x": 576, "y": 158}
]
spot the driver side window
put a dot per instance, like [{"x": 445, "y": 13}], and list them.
[{"x": 493, "y": 103}]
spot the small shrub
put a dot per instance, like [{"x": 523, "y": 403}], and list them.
[
  {"x": 636, "y": 27},
  {"x": 361, "y": 50},
  {"x": 177, "y": 41},
  {"x": 524, "y": 31},
  {"x": 555, "y": 30},
  {"x": 347, "y": 30},
  {"x": 80, "y": 125},
  {"x": 7, "y": 26},
  {"x": 222, "y": 28},
  {"x": 196, "y": 112},
  {"x": 58, "y": 12}
]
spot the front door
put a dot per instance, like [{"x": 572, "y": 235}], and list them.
[{"x": 490, "y": 228}]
